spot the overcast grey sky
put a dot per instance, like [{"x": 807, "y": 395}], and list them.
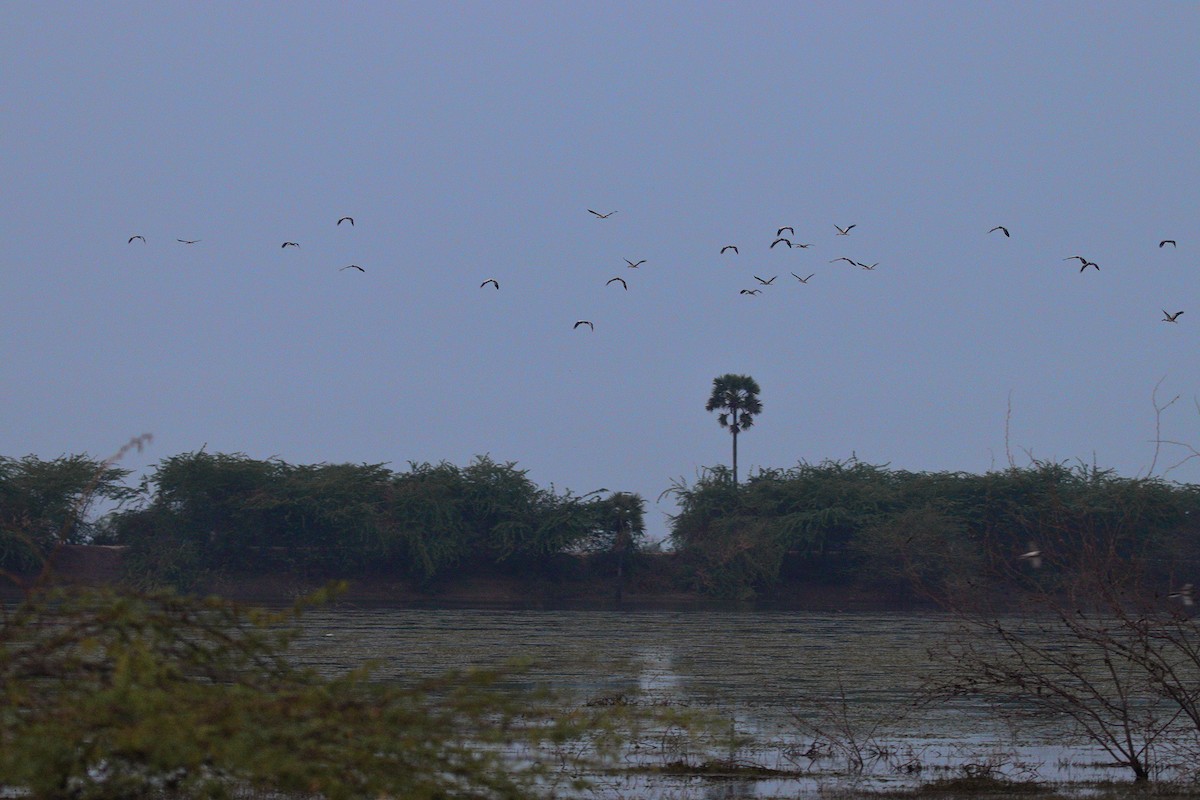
[{"x": 468, "y": 141}]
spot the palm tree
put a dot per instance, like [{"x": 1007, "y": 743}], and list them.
[{"x": 738, "y": 396}]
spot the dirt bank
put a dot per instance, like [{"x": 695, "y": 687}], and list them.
[{"x": 93, "y": 565}]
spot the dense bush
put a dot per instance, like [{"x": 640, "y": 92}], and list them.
[
  {"x": 43, "y": 503},
  {"x": 203, "y": 513},
  {"x": 850, "y": 521},
  {"x": 155, "y": 695}
]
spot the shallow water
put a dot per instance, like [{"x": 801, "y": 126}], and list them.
[{"x": 772, "y": 675}]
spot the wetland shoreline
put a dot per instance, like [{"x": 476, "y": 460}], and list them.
[{"x": 652, "y": 589}]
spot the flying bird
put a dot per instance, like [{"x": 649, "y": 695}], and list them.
[
  {"x": 131, "y": 238},
  {"x": 1172, "y": 243},
  {"x": 1170, "y": 317},
  {"x": 601, "y": 216},
  {"x": 1087, "y": 264},
  {"x": 1033, "y": 556},
  {"x": 788, "y": 242},
  {"x": 1184, "y": 595},
  {"x": 732, "y": 247},
  {"x": 346, "y": 219},
  {"x": 622, "y": 280},
  {"x": 352, "y": 266},
  {"x": 867, "y": 266},
  {"x": 633, "y": 265},
  {"x": 492, "y": 281},
  {"x": 846, "y": 230},
  {"x": 583, "y": 321},
  {"x": 787, "y": 228},
  {"x": 765, "y": 283},
  {"x": 1000, "y": 228},
  {"x": 289, "y": 244},
  {"x": 750, "y": 291},
  {"x": 802, "y": 280},
  {"x": 847, "y": 260},
  {"x": 187, "y": 241},
  {"x": 802, "y": 246}
]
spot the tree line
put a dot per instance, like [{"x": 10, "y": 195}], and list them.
[
  {"x": 919, "y": 532},
  {"x": 837, "y": 522},
  {"x": 201, "y": 513}
]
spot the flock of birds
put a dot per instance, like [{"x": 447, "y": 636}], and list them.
[
  {"x": 285, "y": 245},
  {"x": 787, "y": 241}
]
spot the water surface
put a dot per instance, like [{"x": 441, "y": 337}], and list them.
[{"x": 781, "y": 678}]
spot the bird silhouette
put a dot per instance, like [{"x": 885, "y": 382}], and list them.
[
  {"x": 131, "y": 238},
  {"x": 787, "y": 228},
  {"x": 765, "y": 283},
  {"x": 289, "y": 244},
  {"x": 847, "y": 260},
  {"x": 583, "y": 321},
  {"x": 622, "y": 280},
  {"x": 750, "y": 291},
  {"x": 1184, "y": 595},
  {"x": 352, "y": 266},
  {"x": 346, "y": 219},
  {"x": 1087, "y": 264},
  {"x": 788, "y": 242},
  {"x": 801, "y": 246},
  {"x": 802, "y": 280},
  {"x": 601, "y": 216},
  {"x": 846, "y": 230},
  {"x": 187, "y": 241},
  {"x": 1172, "y": 243},
  {"x": 1000, "y": 228},
  {"x": 492, "y": 281},
  {"x": 1170, "y": 317},
  {"x": 732, "y": 247},
  {"x": 867, "y": 266},
  {"x": 634, "y": 265}
]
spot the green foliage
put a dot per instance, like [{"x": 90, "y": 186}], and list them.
[
  {"x": 849, "y": 520},
  {"x": 45, "y": 503},
  {"x": 139, "y": 695},
  {"x": 919, "y": 547},
  {"x": 620, "y": 524},
  {"x": 209, "y": 513}
]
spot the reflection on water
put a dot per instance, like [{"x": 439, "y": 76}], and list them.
[{"x": 777, "y": 676}]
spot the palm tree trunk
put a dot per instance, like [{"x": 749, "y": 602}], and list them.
[{"x": 735, "y": 433}]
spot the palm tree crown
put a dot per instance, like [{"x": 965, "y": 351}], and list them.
[{"x": 737, "y": 395}]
